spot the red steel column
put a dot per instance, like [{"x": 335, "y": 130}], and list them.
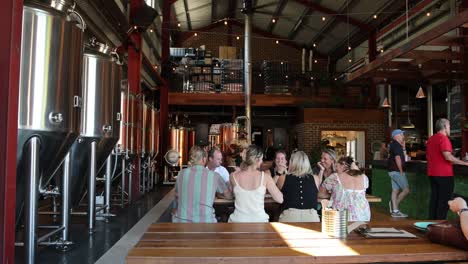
[
  {"x": 134, "y": 75},
  {"x": 10, "y": 48},
  {"x": 164, "y": 99},
  {"x": 464, "y": 88}
]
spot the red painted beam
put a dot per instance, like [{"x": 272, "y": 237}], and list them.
[
  {"x": 421, "y": 5},
  {"x": 147, "y": 62},
  {"x": 164, "y": 91},
  {"x": 464, "y": 90},
  {"x": 338, "y": 16},
  {"x": 10, "y": 46},
  {"x": 437, "y": 31},
  {"x": 134, "y": 77}
]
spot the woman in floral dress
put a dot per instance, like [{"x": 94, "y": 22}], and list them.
[{"x": 347, "y": 190}]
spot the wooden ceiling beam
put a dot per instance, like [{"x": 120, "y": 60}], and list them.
[
  {"x": 447, "y": 41},
  {"x": 422, "y": 39},
  {"x": 421, "y": 56}
]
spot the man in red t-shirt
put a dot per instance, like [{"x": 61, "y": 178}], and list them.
[{"x": 440, "y": 170}]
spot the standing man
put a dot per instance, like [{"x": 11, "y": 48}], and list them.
[
  {"x": 396, "y": 171},
  {"x": 440, "y": 169},
  {"x": 195, "y": 191},
  {"x": 215, "y": 159}
]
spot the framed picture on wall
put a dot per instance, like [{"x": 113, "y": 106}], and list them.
[{"x": 455, "y": 109}]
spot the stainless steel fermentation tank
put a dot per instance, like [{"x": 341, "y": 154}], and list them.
[
  {"x": 49, "y": 101},
  {"x": 100, "y": 122},
  {"x": 150, "y": 145}
]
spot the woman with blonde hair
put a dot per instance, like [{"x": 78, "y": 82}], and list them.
[
  {"x": 300, "y": 189},
  {"x": 347, "y": 188},
  {"x": 250, "y": 185},
  {"x": 326, "y": 164}
]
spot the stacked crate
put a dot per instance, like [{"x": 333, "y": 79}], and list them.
[
  {"x": 232, "y": 76},
  {"x": 276, "y": 76}
]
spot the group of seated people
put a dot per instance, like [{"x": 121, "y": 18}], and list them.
[{"x": 296, "y": 186}]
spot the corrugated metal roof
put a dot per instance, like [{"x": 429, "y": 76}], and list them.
[{"x": 328, "y": 34}]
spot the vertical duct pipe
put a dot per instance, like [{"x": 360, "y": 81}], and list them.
[
  {"x": 430, "y": 112},
  {"x": 303, "y": 60},
  {"x": 92, "y": 188},
  {"x": 122, "y": 184},
  {"x": 142, "y": 175},
  {"x": 32, "y": 160},
  {"x": 130, "y": 179},
  {"x": 311, "y": 56},
  {"x": 248, "y": 74},
  {"x": 148, "y": 173},
  {"x": 108, "y": 183},
  {"x": 66, "y": 196}
]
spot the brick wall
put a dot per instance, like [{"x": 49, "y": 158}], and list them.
[
  {"x": 308, "y": 134},
  {"x": 262, "y": 48}
]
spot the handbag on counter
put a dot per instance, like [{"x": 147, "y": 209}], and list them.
[{"x": 447, "y": 233}]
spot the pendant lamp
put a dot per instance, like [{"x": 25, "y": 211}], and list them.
[
  {"x": 420, "y": 93},
  {"x": 385, "y": 103}
]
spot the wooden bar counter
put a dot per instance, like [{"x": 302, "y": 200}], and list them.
[{"x": 282, "y": 243}]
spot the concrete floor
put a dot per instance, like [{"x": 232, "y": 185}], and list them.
[{"x": 89, "y": 248}]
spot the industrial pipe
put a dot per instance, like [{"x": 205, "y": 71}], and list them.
[
  {"x": 108, "y": 183},
  {"x": 122, "y": 183},
  {"x": 32, "y": 174},
  {"x": 130, "y": 174},
  {"x": 430, "y": 112},
  {"x": 92, "y": 188},
  {"x": 66, "y": 197},
  {"x": 248, "y": 74}
]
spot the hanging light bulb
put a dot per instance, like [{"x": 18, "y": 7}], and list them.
[
  {"x": 225, "y": 22},
  {"x": 323, "y": 18},
  {"x": 196, "y": 34},
  {"x": 273, "y": 21},
  {"x": 178, "y": 24},
  {"x": 237, "y": 37},
  {"x": 315, "y": 45},
  {"x": 349, "y": 47},
  {"x": 375, "y": 16},
  {"x": 385, "y": 103},
  {"x": 350, "y": 60},
  {"x": 277, "y": 42},
  {"x": 420, "y": 94}
]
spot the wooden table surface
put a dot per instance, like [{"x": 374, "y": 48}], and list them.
[
  {"x": 269, "y": 200},
  {"x": 281, "y": 243}
]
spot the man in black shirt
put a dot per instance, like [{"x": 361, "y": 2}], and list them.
[{"x": 396, "y": 166}]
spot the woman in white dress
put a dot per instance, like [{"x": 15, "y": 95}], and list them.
[{"x": 250, "y": 185}]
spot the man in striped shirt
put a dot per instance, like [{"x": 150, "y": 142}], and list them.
[{"x": 195, "y": 189}]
